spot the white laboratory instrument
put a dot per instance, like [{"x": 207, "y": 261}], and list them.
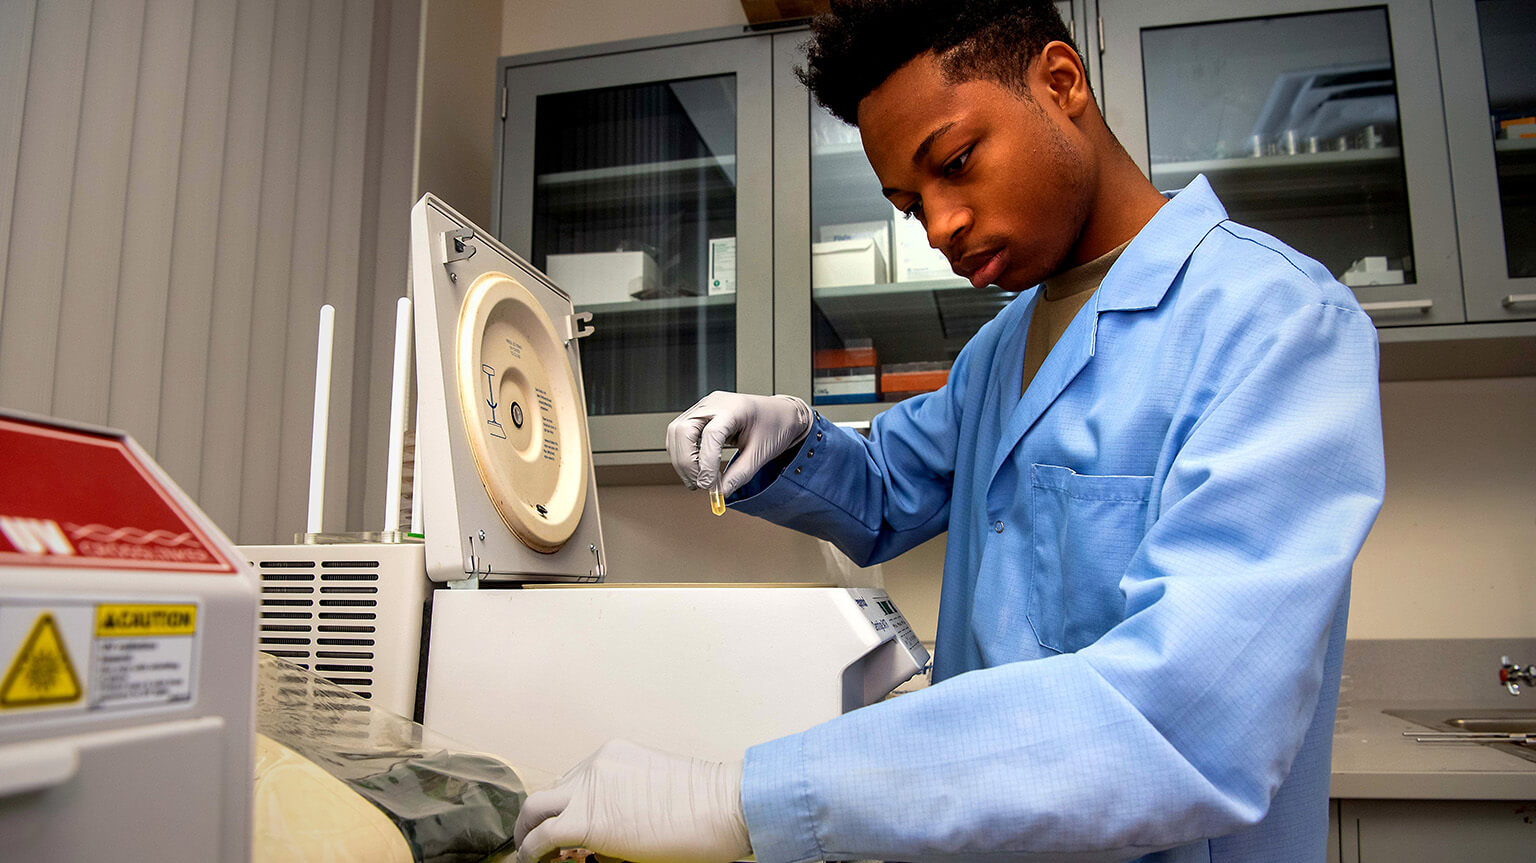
[
  {"x": 545, "y": 675},
  {"x": 127, "y": 648},
  {"x": 350, "y": 607},
  {"x": 542, "y": 675},
  {"x": 352, "y": 611}
]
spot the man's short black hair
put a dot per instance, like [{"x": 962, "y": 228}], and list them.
[{"x": 857, "y": 45}]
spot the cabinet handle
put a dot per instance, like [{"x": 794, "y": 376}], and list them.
[
  {"x": 1398, "y": 306},
  {"x": 1518, "y": 300}
]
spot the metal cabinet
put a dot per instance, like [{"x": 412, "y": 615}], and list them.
[
  {"x": 641, "y": 181},
  {"x": 1488, "y": 68},
  {"x": 1488, "y": 831},
  {"x": 742, "y": 211},
  {"x": 1315, "y": 120}
]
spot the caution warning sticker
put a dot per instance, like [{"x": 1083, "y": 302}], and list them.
[
  {"x": 41, "y": 672},
  {"x": 77, "y": 655},
  {"x": 145, "y": 620}
]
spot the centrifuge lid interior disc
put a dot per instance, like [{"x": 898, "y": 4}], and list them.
[{"x": 522, "y": 412}]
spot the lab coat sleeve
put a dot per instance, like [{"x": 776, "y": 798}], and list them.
[
  {"x": 1178, "y": 724},
  {"x": 872, "y": 497}
]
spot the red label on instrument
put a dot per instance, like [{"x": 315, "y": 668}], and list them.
[{"x": 76, "y": 499}]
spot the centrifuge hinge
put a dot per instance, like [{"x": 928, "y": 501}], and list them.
[
  {"x": 576, "y": 326},
  {"x": 456, "y": 247}
]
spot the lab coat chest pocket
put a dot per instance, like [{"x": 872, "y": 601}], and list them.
[{"x": 1086, "y": 530}]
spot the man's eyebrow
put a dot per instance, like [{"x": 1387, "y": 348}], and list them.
[
  {"x": 921, "y": 152},
  {"x": 923, "y": 148}
]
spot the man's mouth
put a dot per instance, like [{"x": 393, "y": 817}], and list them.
[{"x": 982, "y": 268}]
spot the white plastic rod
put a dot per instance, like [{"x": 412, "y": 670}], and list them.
[
  {"x": 397, "y": 402},
  {"x": 322, "y": 416},
  {"x": 417, "y": 526}
]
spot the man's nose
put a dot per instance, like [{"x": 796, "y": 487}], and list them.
[{"x": 947, "y": 223}]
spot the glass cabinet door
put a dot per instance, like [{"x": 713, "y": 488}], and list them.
[
  {"x": 639, "y": 183},
  {"x": 869, "y": 313},
  {"x": 1318, "y": 124},
  {"x": 1488, "y": 55}
]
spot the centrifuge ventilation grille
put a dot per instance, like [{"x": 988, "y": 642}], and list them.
[{"x": 323, "y": 615}]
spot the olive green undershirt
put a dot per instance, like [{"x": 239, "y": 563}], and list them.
[{"x": 1062, "y": 297}]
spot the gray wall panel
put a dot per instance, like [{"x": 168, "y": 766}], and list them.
[
  {"x": 16, "y": 19},
  {"x": 306, "y": 281},
  {"x": 82, "y": 375},
  {"x": 138, "y": 351},
  {"x": 182, "y": 184},
  {"x": 184, "y": 384},
  {"x": 344, "y": 248},
  {"x": 386, "y": 238},
  {"x": 274, "y": 250},
  {"x": 44, "y": 174},
  {"x": 234, "y": 272}
]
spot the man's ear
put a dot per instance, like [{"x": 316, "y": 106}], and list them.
[{"x": 1061, "y": 72}]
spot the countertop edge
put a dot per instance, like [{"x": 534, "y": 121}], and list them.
[{"x": 1433, "y": 786}]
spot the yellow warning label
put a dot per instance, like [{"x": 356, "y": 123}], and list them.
[
  {"x": 41, "y": 673},
  {"x": 145, "y": 620}
]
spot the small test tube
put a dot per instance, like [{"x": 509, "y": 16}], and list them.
[{"x": 716, "y": 499}]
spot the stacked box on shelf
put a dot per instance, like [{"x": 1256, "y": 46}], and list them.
[
  {"x": 1518, "y": 127},
  {"x": 904, "y": 380},
  {"x": 846, "y": 375}
]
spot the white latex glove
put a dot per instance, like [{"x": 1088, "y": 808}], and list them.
[
  {"x": 763, "y": 427},
  {"x": 639, "y": 804}
]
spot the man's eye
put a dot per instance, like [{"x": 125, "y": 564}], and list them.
[
  {"x": 957, "y": 164},
  {"x": 913, "y": 212}
]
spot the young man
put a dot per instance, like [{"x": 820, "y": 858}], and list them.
[{"x": 1155, "y": 470}]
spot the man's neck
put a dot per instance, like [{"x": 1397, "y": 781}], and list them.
[{"x": 1125, "y": 201}]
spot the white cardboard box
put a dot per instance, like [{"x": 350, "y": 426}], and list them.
[
  {"x": 602, "y": 277},
  {"x": 1371, "y": 270},
  {"x": 880, "y": 232},
  {"x": 846, "y": 262}
]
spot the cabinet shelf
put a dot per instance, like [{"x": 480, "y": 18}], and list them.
[
  {"x": 1327, "y": 161},
  {"x": 1305, "y": 184},
  {"x": 845, "y": 187},
  {"x": 1516, "y": 161},
  {"x": 884, "y": 289},
  {"x": 725, "y": 164},
  {"x": 911, "y": 321},
  {"x": 640, "y": 315}
]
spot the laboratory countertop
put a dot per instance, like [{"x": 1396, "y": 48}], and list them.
[
  {"x": 1447, "y": 677},
  {"x": 1373, "y": 760}
]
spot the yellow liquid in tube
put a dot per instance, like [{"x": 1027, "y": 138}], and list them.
[{"x": 716, "y": 499}]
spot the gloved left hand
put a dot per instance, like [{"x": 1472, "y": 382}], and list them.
[{"x": 639, "y": 804}]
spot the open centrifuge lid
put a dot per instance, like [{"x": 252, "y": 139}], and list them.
[
  {"x": 504, "y": 465},
  {"x": 522, "y": 412}
]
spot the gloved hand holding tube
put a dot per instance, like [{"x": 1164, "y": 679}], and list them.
[
  {"x": 639, "y": 804},
  {"x": 762, "y": 426}
]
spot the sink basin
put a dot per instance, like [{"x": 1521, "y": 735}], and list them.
[
  {"x": 1498, "y": 724},
  {"x": 1481, "y": 720}
]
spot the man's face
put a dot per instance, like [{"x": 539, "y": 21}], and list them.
[{"x": 1001, "y": 182}]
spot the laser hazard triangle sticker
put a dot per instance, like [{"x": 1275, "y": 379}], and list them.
[
  {"x": 81, "y": 655},
  {"x": 42, "y": 672}
]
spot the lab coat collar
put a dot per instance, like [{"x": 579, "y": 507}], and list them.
[
  {"x": 1152, "y": 261},
  {"x": 1137, "y": 282}
]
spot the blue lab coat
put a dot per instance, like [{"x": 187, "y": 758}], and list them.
[{"x": 1146, "y": 583}]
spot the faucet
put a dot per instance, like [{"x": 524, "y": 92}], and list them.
[{"x": 1512, "y": 675}]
